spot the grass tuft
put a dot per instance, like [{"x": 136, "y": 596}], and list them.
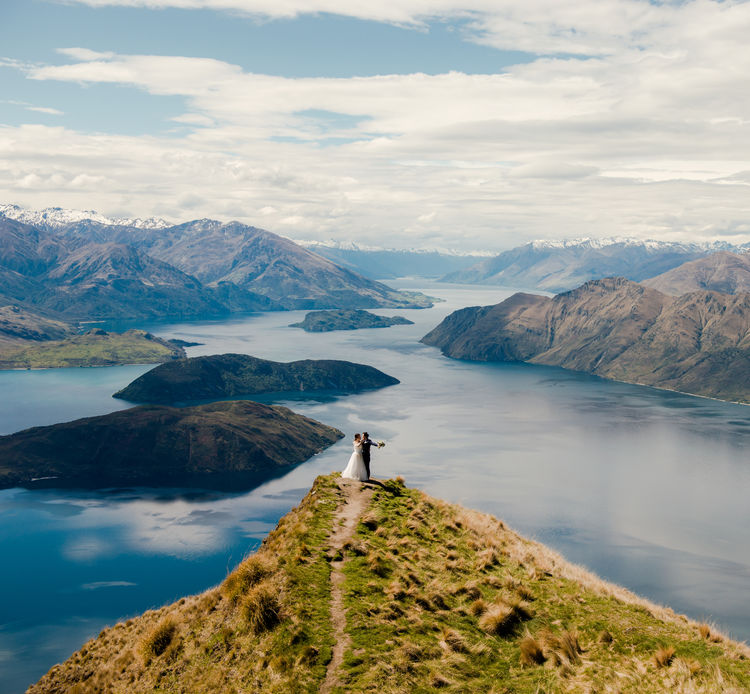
[
  {"x": 159, "y": 639},
  {"x": 261, "y": 609},
  {"x": 531, "y": 651},
  {"x": 502, "y": 617},
  {"x": 664, "y": 656},
  {"x": 562, "y": 649},
  {"x": 248, "y": 574}
]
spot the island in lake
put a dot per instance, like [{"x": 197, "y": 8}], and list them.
[
  {"x": 381, "y": 588},
  {"x": 696, "y": 343},
  {"x": 93, "y": 348},
  {"x": 233, "y": 375},
  {"x": 344, "y": 319},
  {"x": 235, "y": 445}
]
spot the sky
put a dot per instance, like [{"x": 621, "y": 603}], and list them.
[{"x": 448, "y": 124}]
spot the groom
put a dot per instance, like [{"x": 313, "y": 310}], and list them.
[{"x": 367, "y": 443}]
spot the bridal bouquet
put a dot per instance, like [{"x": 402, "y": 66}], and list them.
[{"x": 381, "y": 444}]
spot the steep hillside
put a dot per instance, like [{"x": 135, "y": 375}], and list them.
[
  {"x": 559, "y": 266},
  {"x": 19, "y": 326},
  {"x": 697, "y": 343},
  {"x": 232, "y": 445},
  {"x": 384, "y": 589},
  {"x": 724, "y": 272},
  {"x": 231, "y": 375},
  {"x": 93, "y": 348}
]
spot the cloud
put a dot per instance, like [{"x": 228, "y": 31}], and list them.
[
  {"x": 44, "y": 109},
  {"x": 648, "y": 135},
  {"x": 541, "y": 27}
]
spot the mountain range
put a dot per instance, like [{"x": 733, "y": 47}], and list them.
[
  {"x": 383, "y": 263},
  {"x": 68, "y": 265},
  {"x": 696, "y": 343},
  {"x": 556, "y": 266}
]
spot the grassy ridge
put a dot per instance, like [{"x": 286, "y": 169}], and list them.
[
  {"x": 94, "y": 348},
  {"x": 440, "y": 597},
  {"x": 437, "y": 598}
]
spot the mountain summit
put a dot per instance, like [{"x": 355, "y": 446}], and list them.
[{"x": 381, "y": 588}]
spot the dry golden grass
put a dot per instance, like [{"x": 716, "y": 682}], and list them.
[
  {"x": 531, "y": 651},
  {"x": 159, "y": 639},
  {"x": 261, "y": 609},
  {"x": 664, "y": 656}
]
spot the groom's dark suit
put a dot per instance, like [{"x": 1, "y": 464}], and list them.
[{"x": 366, "y": 444}]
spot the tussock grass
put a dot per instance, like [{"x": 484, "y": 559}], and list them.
[
  {"x": 261, "y": 609},
  {"x": 531, "y": 651},
  {"x": 159, "y": 639},
  {"x": 664, "y": 656},
  {"x": 244, "y": 577}
]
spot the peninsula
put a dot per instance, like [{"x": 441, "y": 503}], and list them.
[
  {"x": 345, "y": 319},
  {"x": 224, "y": 445},
  {"x": 93, "y": 348},
  {"x": 696, "y": 343},
  {"x": 385, "y": 589},
  {"x": 233, "y": 375}
]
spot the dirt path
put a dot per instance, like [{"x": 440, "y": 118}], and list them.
[{"x": 356, "y": 500}]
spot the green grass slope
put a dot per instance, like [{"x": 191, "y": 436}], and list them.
[
  {"x": 94, "y": 348},
  {"x": 434, "y": 598}
]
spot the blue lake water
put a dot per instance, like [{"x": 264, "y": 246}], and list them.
[{"x": 646, "y": 488}]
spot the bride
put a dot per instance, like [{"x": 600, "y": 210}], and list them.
[{"x": 356, "y": 469}]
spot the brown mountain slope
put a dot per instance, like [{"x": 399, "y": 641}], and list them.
[
  {"x": 18, "y": 326},
  {"x": 387, "y": 590},
  {"x": 697, "y": 343},
  {"x": 719, "y": 272}
]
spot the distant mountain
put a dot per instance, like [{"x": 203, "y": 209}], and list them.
[
  {"x": 222, "y": 445},
  {"x": 258, "y": 261},
  {"x": 697, "y": 343},
  {"x": 92, "y": 348},
  {"x": 347, "y": 319},
  {"x": 719, "y": 272},
  {"x": 232, "y": 375},
  {"x": 559, "y": 266},
  {"x": 88, "y": 270},
  {"x": 391, "y": 263},
  {"x": 56, "y": 217}
]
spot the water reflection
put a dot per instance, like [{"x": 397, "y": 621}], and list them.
[{"x": 645, "y": 487}]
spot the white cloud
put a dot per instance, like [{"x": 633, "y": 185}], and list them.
[
  {"x": 45, "y": 109},
  {"x": 642, "y": 139}
]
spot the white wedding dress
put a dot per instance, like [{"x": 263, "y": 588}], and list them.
[{"x": 356, "y": 469}]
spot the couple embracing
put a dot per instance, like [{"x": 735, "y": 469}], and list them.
[{"x": 359, "y": 463}]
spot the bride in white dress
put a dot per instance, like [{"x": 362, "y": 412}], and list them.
[{"x": 356, "y": 469}]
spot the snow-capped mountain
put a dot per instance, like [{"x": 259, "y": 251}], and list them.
[
  {"x": 556, "y": 266},
  {"x": 58, "y": 217},
  {"x": 628, "y": 241}
]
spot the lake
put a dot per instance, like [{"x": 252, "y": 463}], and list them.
[{"x": 646, "y": 488}]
